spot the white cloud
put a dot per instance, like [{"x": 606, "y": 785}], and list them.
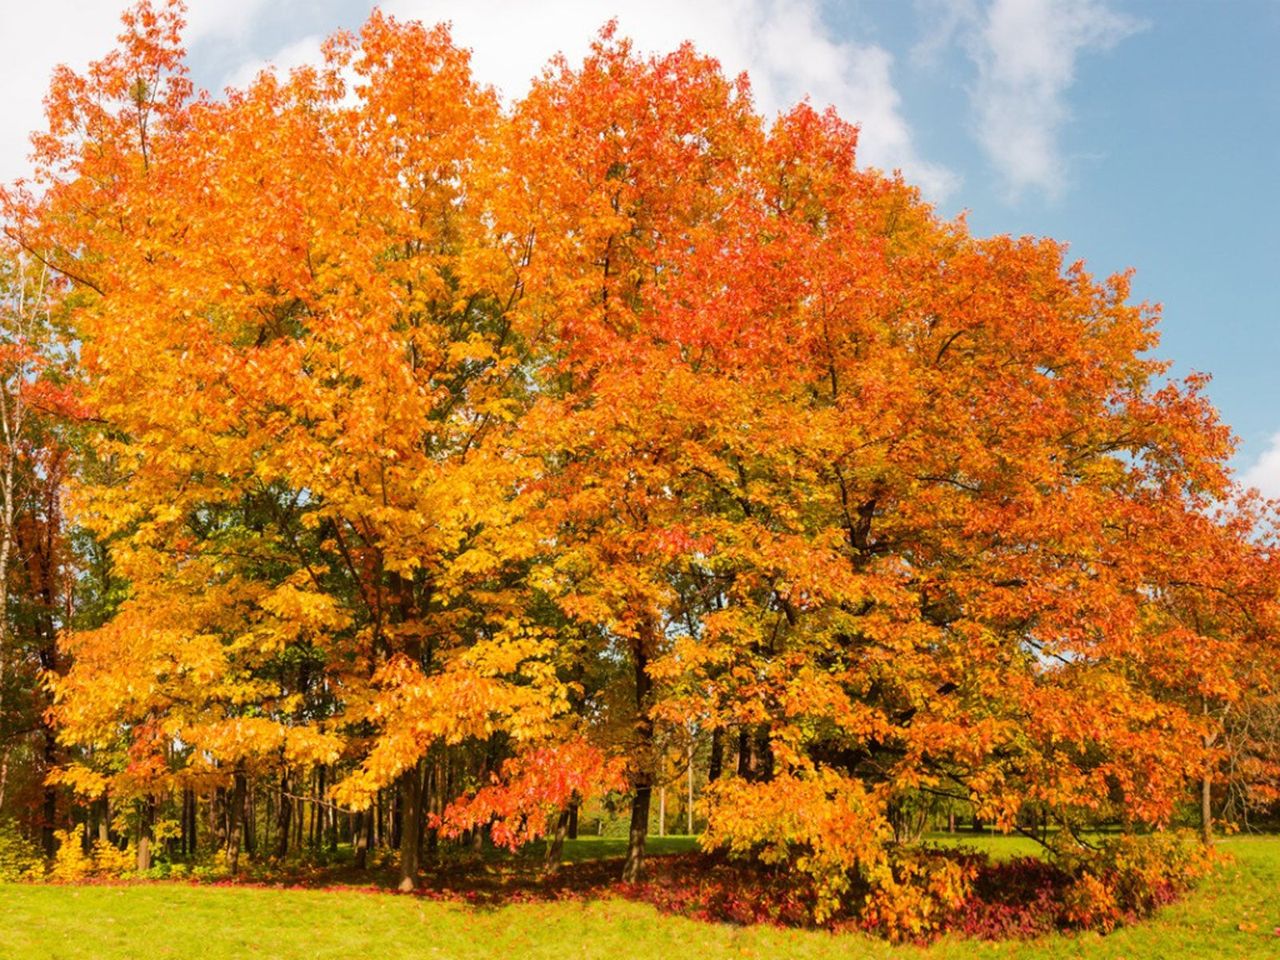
[
  {"x": 229, "y": 19},
  {"x": 1026, "y": 53},
  {"x": 35, "y": 37},
  {"x": 296, "y": 54},
  {"x": 942, "y": 22},
  {"x": 1265, "y": 472}
]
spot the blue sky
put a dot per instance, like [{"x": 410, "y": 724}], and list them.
[{"x": 1145, "y": 134}]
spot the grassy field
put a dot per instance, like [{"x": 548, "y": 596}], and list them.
[{"x": 1234, "y": 914}]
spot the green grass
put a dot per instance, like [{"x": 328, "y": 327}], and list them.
[{"x": 1234, "y": 914}]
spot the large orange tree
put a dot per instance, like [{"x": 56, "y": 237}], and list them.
[{"x": 418, "y": 412}]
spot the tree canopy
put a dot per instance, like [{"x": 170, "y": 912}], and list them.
[{"x": 537, "y": 437}]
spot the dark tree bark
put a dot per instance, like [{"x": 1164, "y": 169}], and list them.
[
  {"x": 643, "y": 778},
  {"x": 410, "y": 826},
  {"x": 188, "y": 822},
  {"x": 284, "y": 816},
  {"x": 49, "y": 808},
  {"x": 716, "y": 767},
  {"x": 555, "y": 846},
  {"x": 744, "y": 753},
  {"x": 218, "y": 817},
  {"x": 432, "y": 795},
  {"x": 360, "y": 838},
  {"x": 397, "y": 816},
  {"x": 251, "y": 822},
  {"x": 1206, "y": 811},
  {"x": 319, "y": 815},
  {"x": 762, "y": 754},
  {"x": 1206, "y": 791},
  {"x": 639, "y": 831},
  {"x": 235, "y": 819},
  {"x": 146, "y": 816},
  {"x": 299, "y": 818},
  {"x": 312, "y": 813}
]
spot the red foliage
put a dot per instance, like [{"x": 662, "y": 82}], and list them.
[
  {"x": 1016, "y": 899},
  {"x": 711, "y": 888},
  {"x": 534, "y": 786}
]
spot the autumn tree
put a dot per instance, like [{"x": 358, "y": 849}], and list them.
[
  {"x": 459, "y": 450},
  {"x": 615, "y": 171},
  {"x": 321, "y": 542},
  {"x": 36, "y": 563}
]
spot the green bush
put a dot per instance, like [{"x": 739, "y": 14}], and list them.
[{"x": 19, "y": 858}]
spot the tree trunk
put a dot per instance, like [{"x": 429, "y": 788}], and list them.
[
  {"x": 218, "y": 818},
  {"x": 573, "y": 819},
  {"x": 555, "y": 847},
  {"x": 397, "y": 816},
  {"x": 284, "y": 816},
  {"x": 689, "y": 803},
  {"x": 4, "y": 752},
  {"x": 251, "y": 823},
  {"x": 360, "y": 838},
  {"x": 311, "y": 814},
  {"x": 762, "y": 754},
  {"x": 643, "y": 782},
  {"x": 639, "y": 829},
  {"x": 436, "y": 789},
  {"x": 188, "y": 822},
  {"x": 49, "y": 819},
  {"x": 1206, "y": 811},
  {"x": 50, "y": 661},
  {"x": 1206, "y": 789},
  {"x": 103, "y": 804},
  {"x": 744, "y": 753},
  {"x": 299, "y": 818},
  {"x": 146, "y": 814},
  {"x": 410, "y": 826},
  {"x": 235, "y": 824},
  {"x": 717, "y": 755},
  {"x": 318, "y": 812}
]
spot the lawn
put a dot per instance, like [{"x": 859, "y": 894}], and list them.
[{"x": 1234, "y": 914}]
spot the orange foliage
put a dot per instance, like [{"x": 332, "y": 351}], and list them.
[
  {"x": 533, "y": 788},
  {"x": 418, "y": 407}
]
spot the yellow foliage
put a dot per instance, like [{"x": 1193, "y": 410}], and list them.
[{"x": 72, "y": 864}]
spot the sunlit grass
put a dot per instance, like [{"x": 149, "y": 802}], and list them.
[{"x": 1233, "y": 914}]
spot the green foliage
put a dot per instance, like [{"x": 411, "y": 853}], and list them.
[{"x": 19, "y": 857}]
